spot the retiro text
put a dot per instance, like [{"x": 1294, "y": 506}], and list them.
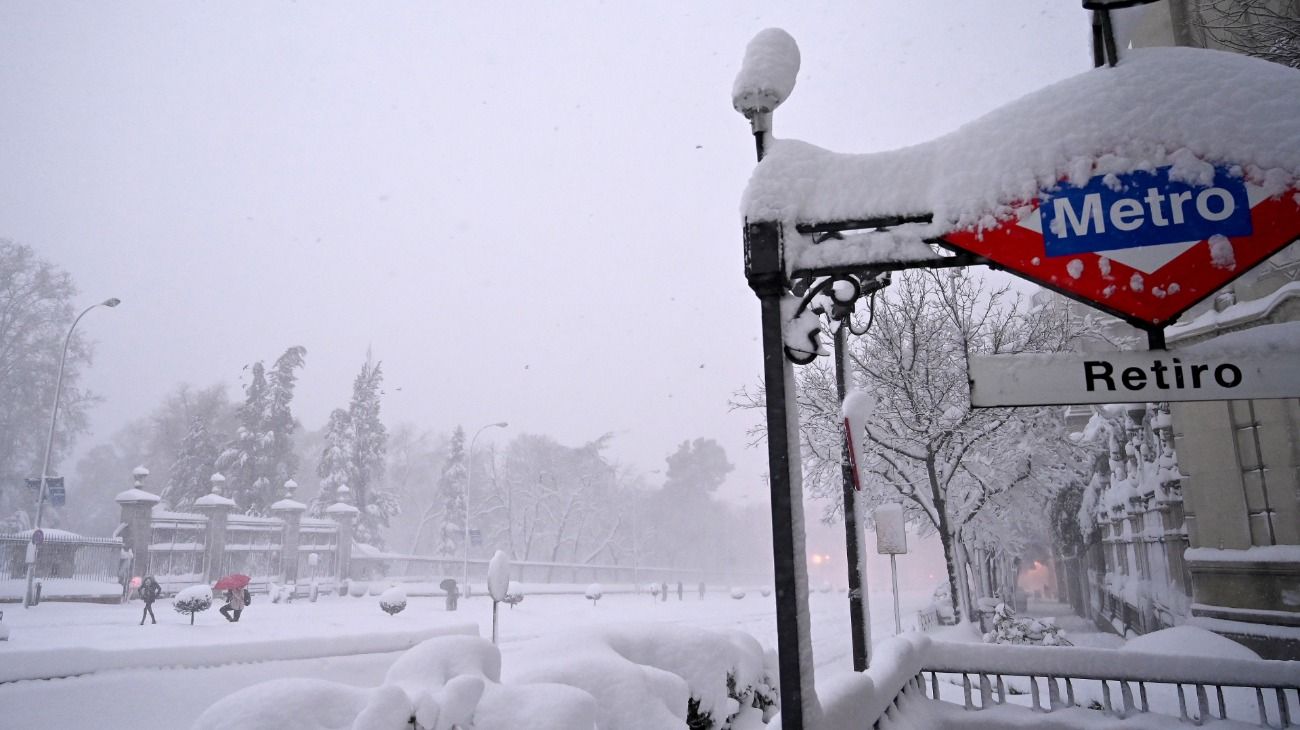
[
  {"x": 1099, "y": 374},
  {"x": 1150, "y": 375}
]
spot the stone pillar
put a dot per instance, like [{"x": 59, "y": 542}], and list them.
[
  {"x": 137, "y": 515},
  {"x": 217, "y": 509},
  {"x": 290, "y": 512},
  {"x": 345, "y": 515}
]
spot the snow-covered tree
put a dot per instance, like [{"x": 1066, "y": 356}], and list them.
[
  {"x": 369, "y": 447},
  {"x": 260, "y": 458},
  {"x": 335, "y": 466},
  {"x": 191, "y": 472},
  {"x": 962, "y": 473},
  {"x": 356, "y": 443},
  {"x": 36, "y": 309},
  {"x": 415, "y": 459},
  {"x": 451, "y": 495},
  {"x": 1268, "y": 29}
]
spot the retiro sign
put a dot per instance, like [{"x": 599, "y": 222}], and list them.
[{"x": 1119, "y": 377}]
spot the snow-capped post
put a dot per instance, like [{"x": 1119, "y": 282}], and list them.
[
  {"x": 594, "y": 592},
  {"x": 766, "y": 78},
  {"x": 137, "y": 515},
  {"x": 345, "y": 515},
  {"x": 856, "y": 407},
  {"x": 217, "y": 508},
  {"x": 290, "y": 511},
  {"x": 498, "y": 585}
]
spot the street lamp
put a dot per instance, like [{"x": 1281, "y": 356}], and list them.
[
  {"x": 469, "y": 478},
  {"x": 49, "y": 443}
]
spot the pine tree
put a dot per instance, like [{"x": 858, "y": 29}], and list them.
[
  {"x": 189, "y": 477},
  {"x": 369, "y": 448},
  {"x": 335, "y": 467},
  {"x": 238, "y": 461},
  {"x": 260, "y": 458},
  {"x": 279, "y": 458},
  {"x": 451, "y": 492}
]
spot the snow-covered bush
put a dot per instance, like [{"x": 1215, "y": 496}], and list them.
[
  {"x": 737, "y": 593},
  {"x": 393, "y": 600},
  {"x": 766, "y": 591},
  {"x": 942, "y": 603},
  {"x": 1007, "y": 629},
  {"x": 654, "y": 589},
  {"x": 357, "y": 588},
  {"x": 192, "y": 600},
  {"x": 594, "y": 592}
]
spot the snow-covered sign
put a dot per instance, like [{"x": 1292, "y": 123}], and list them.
[
  {"x": 1254, "y": 363},
  {"x": 499, "y": 576},
  {"x": 1115, "y": 377},
  {"x": 1144, "y": 245},
  {"x": 891, "y": 529},
  {"x": 1140, "y": 189}
]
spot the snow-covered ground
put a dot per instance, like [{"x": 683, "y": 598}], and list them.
[{"x": 350, "y": 640}]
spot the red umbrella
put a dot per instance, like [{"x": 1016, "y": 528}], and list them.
[{"x": 232, "y": 582}]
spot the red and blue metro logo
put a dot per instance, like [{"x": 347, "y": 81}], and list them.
[{"x": 1144, "y": 245}]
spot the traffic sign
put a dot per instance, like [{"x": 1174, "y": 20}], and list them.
[
  {"x": 1121, "y": 377},
  {"x": 58, "y": 495},
  {"x": 891, "y": 529},
  {"x": 1144, "y": 246},
  {"x": 475, "y": 537},
  {"x": 38, "y": 536}
]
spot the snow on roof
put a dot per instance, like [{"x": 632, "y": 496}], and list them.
[
  {"x": 214, "y": 500},
  {"x": 136, "y": 495},
  {"x": 1235, "y": 315},
  {"x": 1160, "y": 106}
]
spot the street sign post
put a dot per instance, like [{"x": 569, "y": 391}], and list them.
[
  {"x": 891, "y": 540},
  {"x": 1120, "y": 377},
  {"x": 1144, "y": 246}
]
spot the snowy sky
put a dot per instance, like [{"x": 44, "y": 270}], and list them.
[{"x": 528, "y": 211}]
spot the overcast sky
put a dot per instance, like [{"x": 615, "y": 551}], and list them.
[{"x": 527, "y": 210}]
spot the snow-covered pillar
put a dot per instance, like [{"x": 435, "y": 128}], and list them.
[
  {"x": 137, "y": 515},
  {"x": 217, "y": 508},
  {"x": 290, "y": 512},
  {"x": 345, "y": 515}
]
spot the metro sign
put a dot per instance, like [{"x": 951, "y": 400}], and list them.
[{"x": 1144, "y": 246}]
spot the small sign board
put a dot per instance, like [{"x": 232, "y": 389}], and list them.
[
  {"x": 38, "y": 536},
  {"x": 891, "y": 529},
  {"x": 475, "y": 537},
  {"x": 1122, "y": 377}
]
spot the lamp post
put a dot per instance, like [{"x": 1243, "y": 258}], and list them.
[
  {"x": 49, "y": 443},
  {"x": 469, "y": 478}
]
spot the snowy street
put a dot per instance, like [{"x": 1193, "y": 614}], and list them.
[{"x": 173, "y": 696}]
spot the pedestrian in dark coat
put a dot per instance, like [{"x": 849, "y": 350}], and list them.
[
  {"x": 149, "y": 592},
  {"x": 235, "y": 601},
  {"x": 680, "y": 590}
]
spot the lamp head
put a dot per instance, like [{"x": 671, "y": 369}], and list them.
[
  {"x": 111, "y": 302},
  {"x": 502, "y": 424}
]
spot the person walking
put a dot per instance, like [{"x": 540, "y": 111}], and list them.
[
  {"x": 149, "y": 592},
  {"x": 679, "y": 590},
  {"x": 236, "y": 599}
]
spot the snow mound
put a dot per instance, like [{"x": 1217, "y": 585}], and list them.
[
  {"x": 1188, "y": 641},
  {"x": 646, "y": 677},
  {"x": 1160, "y": 106},
  {"x": 287, "y": 704}
]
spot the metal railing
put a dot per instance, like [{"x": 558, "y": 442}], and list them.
[
  {"x": 66, "y": 564},
  {"x": 1126, "y": 681}
]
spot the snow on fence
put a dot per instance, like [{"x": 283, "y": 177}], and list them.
[
  {"x": 67, "y": 566},
  {"x": 1127, "y": 683},
  {"x": 1120, "y": 684}
]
